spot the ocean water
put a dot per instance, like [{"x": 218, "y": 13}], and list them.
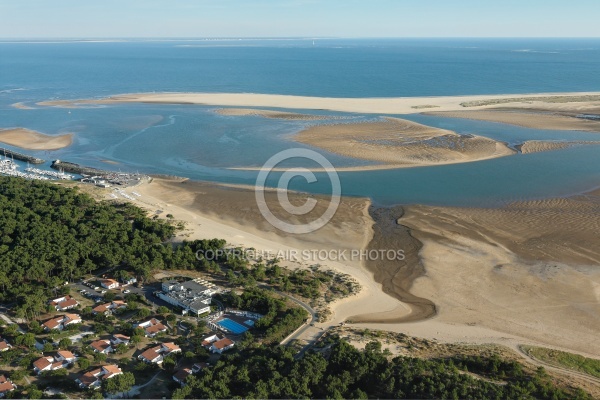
[{"x": 195, "y": 142}]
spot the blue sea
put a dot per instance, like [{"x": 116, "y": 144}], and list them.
[{"x": 195, "y": 142}]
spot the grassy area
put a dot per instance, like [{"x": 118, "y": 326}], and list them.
[{"x": 563, "y": 359}]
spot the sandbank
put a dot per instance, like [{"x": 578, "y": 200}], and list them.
[
  {"x": 540, "y": 118},
  {"x": 390, "y": 105},
  {"x": 402, "y": 143},
  {"x": 291, "y": 116},
  {"x": 33, "y": 140}
]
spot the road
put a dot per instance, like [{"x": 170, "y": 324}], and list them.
[{"x": 554, "y": 368}]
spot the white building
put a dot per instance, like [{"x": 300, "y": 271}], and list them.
[{"x": 191, "y": 296}]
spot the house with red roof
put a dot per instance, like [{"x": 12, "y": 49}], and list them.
[
  {"x": 107, "y": 308},
  {"x": 59, "y": 323},
  {"x": 221, "y": 345},
  {"x": 181, "y": 375},
  {"x": 65, "y": 355},
  {"x": 118, "y": 338},
  {"x": 64, "y": 303},
  {"x": 4, "y": 345},
  {"x": 109, "y": 283},
  {"x": 93, "y": 379},
  {"x": 6, "y": 386},
  {"x": 155, "y": 355},
  {"x": 152, "y": 327},
  {"x": 102, "y": 346}
]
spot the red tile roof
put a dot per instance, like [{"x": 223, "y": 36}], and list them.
[
  {"x": 67, "y": 303},
  {"x": 111, "y": 370},
  {"x": 4, "y": 345},
  {"x": 3, "y": 379},
  {"x": 66, "y": 354},
  {"x": 53, "y": 323},
  {"x": 151, "y": 354},
  {"x": 100, "y": 345},
  {"x": 221, "y": 344},
  {"x": 101, "y": 308},
  {"x": 6, "y": 387},
  {"x": 156, "y": 328},
  {"x": 171, "y": 346},
  {"x": 90, "y": 377},
  {"x": 42, "y": 363},
  {"x": 182, "y": 374}
]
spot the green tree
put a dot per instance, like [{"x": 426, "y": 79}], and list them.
[{"x": 65, "y": 343}]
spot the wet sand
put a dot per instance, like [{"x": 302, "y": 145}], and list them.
[
  {"x": 543, "y": 117},
  {"x": 529, "y": 270},
  {"x": 33, "y": 140},
  {"x": 253, "y": 112},
  {"x": 402, "y": 143}
]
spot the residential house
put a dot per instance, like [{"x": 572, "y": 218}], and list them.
[
  {"x": 199, "y": 367},
  {"x": 155, "y": 355},
  {"x": 102, "y": 346},
  {"x": 59, "y": 323},
  {"x": 107, "y": 308},
  {"x": 181, "y": 375},
  {"x": 152, "y": 327},
  {"x": 93, "y": 379},
  {"x": 221, "y": 345},
  {"x": 109, "y": 283},
  {"x": 152, "y": 356},
  {"x": 117, "y": 338},
  {"x": 64, "y": 303},
  {"x": 66, "y": 356},
  {"x": 6, "y": 386},
  {"x": 210, "y": 340},
  {"x": 48, "y": 363},
  {"x": 4, "y": 345}
]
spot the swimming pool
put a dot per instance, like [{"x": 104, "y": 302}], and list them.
[{"x": 232, "y": 326}]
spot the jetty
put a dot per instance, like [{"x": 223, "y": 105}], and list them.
[
  {"x": 77, "y": 169},
  {"x": 20, "y": 156}
]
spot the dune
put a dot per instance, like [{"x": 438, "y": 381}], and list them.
[
  {"x": 33, "y": 140},
  {"x": 401, "y": 143}
]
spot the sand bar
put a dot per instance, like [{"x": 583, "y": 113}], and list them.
[
  {"x": 391, "y": 105},
  {"x": 402, "y": 143},
  {"x": 529, "y": 118},
  {"x": 33, "y": 140},
  {"x": 254, "y": 112}
]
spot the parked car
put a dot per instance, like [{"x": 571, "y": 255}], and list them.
[
  {"x": 104, "y": 291},
  {"x": 126, "y": 291}
]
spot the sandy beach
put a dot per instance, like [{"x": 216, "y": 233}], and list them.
[
  {"x": 392, "y": 105},
  {"x": 33, "y": 140},
  {"x": 231, "y": 213},
  {"x": 523, "y": 274}
]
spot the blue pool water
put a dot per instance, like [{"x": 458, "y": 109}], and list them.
[{"x": 232, "y": 326}]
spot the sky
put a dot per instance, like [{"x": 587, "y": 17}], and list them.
[{"x": 298, "y": 18}]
